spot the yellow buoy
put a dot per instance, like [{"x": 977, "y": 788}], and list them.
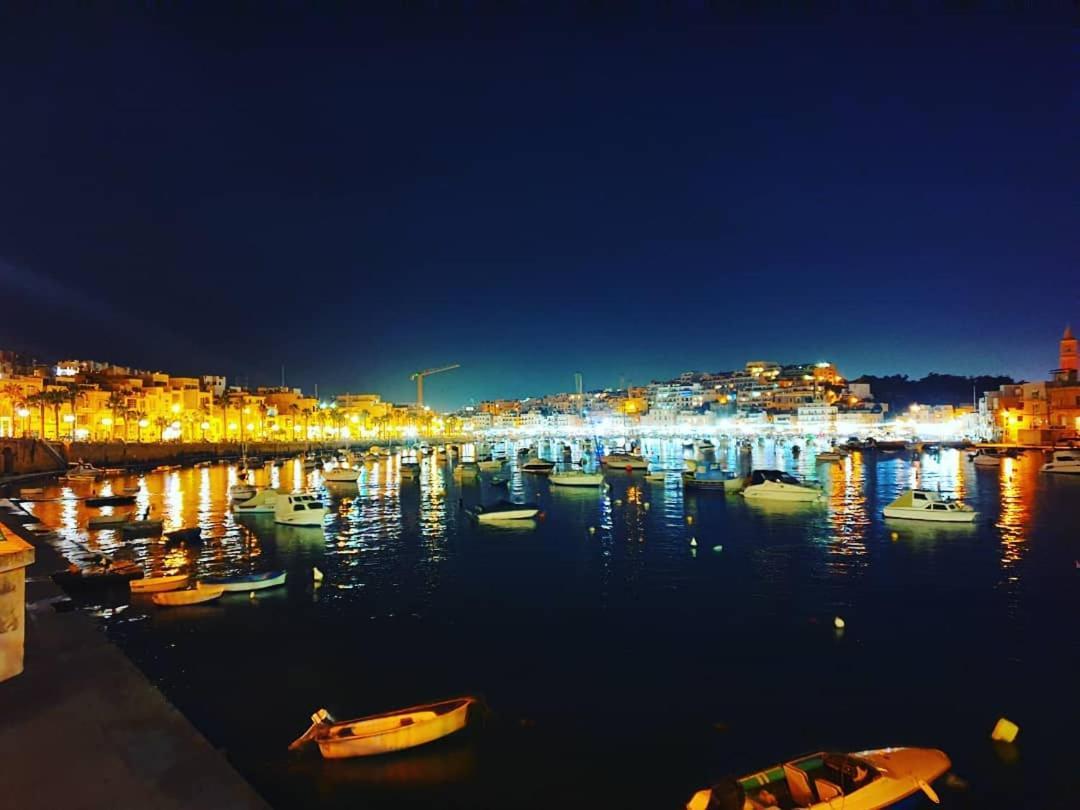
[
  {"x": 689, "y": 520},
  {"x": 592, "y": 530},
  {"x": 317, "y": 574},
  {"x": 648, "y": 506},
  {"x": 251, "y": 594},
  {"x": 618, "y": 501},
  {"x": 895, "y": 536},
  {"x": 838, "y": 623},
  {"x": 1004, "y": 730},
  {"x": 693, "y": 542}
]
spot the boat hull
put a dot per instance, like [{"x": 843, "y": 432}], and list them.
[
  {"x": 193, "y": 596},
  {"x": 158, "y": 584},
  {"x": 107, "y": 521},
  {"x": 256, "y": 582},
  {"x": 422, "y": 727},
  {"x": 783, "y": 492},
  {"x": 499, "y": 517},
  {"x": 929, "y": 516},
  {"x": 341, "y": 476},
  {"x": 583, "y": 480}
]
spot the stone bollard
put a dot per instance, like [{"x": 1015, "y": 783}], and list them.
[{"x": 15, "y": 555}]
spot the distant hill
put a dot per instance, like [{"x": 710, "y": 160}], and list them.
[{"x": 934, "y": 389}]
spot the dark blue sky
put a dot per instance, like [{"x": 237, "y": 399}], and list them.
[{"x": 626, "y": 194}]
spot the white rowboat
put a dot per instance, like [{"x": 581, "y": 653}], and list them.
[{"x": 192, "y": 596}]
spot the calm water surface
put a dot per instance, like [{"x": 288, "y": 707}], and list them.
[{"x": 621, "y": 665}]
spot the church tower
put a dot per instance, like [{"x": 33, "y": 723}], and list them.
[{"x": 1068, "y": 359}]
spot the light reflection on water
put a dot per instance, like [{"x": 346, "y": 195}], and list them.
[{"x": 405, "y": 568}]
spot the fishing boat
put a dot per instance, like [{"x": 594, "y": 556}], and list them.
[
  {"x": 924, "y": 504},
  {"x": 624, "y": 461},
  {"x": 576, "y": 478},
  {"x": 1064, "y": 462},
  {"x": 710, "y": 475},
  {"x": 299, "y": 510},
  {"x": 262, "y": 502},
  {"x": 385, "y": 733},
  {"x": 865, "y": 780},
  {"x": 192, "y": 596},
  {"x": 158, "y": 584},
  {"x": 538, "y": 466},
  {"x": 81, "y": 470},
  {"x": 191, "y": 535},
  {"x": 505, "y": 510},
  {"x": 99, "y": 576},
  {"x": 779, "y": 485},
  {"x": 248, "y": 582},
  {"x": 108, "y": 521},
  {"x": 341, "y": 475},
  {"x": 110, "y": 500}
]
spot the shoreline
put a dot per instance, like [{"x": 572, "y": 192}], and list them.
[{"x": 83, "y": 725}]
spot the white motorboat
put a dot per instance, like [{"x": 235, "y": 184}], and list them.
[
  {"x": 263, "y": 502},
  {"x": 241, "y": 492},
  {"x": 341, "y": 475},
  {"x": 779, "y": 486},
  {"x": 576, "y": 478},
  {"x": 1064, "y": 462},
  {"x": 924, "y": 504},
  {"x": 624, "y": 461},
  {"x": 988, "y": 457},
  {"x": 864, "y": 780},
  {"x": 299, "y": 510},
  {"x": 82, "y": 470},
  {"x": 505, "y": 510},
  {"x": 539, "y": 466}
]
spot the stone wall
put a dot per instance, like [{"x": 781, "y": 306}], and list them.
[
  {"x": 118, "y": 454},
  {"x": 21, "y": 456}
]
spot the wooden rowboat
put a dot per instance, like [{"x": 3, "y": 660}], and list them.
[
  {"x": 385, "y": 733},
  {"x": 248, "y": 582},
  {"x": 158, "y": 584},
  {"x": 192, "y": 596},
  {"x": 105, "y": 521}
]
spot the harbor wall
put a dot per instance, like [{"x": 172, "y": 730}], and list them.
[
  {"x": 23, "y": 456},
  {"x": 119, "y": 454}
]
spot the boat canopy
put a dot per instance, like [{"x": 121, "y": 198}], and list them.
[{"x": 776, "y": 476}]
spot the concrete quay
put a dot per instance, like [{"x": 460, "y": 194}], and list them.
[{"x": 82, "y": 728}]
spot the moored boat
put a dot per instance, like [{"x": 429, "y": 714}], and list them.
[
  {"x": 192, "y": 596},
  {"x": 103, "y": 575},
  {"x": 110, "y": 500},
  {"x": 865, "y": 780},
  {"x": 505, "y": 510},
  {"x": 78, "y": 470},
  {"x": 146, "y": 527},
  {"x": 190, "y": 535},
  {"x": 624, "y": 461},
  {"x": 710, "y": 475},
  {"x": 576, "y": 478},
  {"x": 341, "y": 475},
  {"x": 923, "y": 504},
  {"x": 299, "y": 510},
  {"x": 385, "y": 733},
  {"x": 1063, "y": 462},
  {"x": 108, "y": 521},
  {"x": 248, "y": 582},
  {"x": 262, "y": 502},
  {"x": 241, "y": 492},
  {"x": 491, "y": 464},
  {"x": 988, "y": 457},
  {"x": 780, "y": 486},
  {"x": 158, "y": 584},
  {"x": 538, "y": 466}
]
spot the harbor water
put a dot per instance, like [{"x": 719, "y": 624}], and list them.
[{"x": 635, "y": 643}]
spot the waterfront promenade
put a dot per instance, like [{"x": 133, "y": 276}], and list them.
[{"x": 82, "y": 727}]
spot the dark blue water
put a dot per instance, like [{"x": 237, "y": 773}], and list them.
[{"x": 625, "y": 667}]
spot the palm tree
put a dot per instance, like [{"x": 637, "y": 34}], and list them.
[
  {"x": 161, "y": 423},
  {"x": 130, "y": 415},
  {"x": 138, "y": 416},
  {"x": 56, "y": 399},
  {"x": 40, "y": 400},
  {"x": 204, "y": 412},
  {"x": 117, "y": 402},
  {"x": 294, "y": 409},
  {"x": 16, "y": 400},
  {"x": 223, "y": 403}
]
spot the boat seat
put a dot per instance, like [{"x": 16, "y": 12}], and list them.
[
  {"x": 826, "y": 790},
  {"x": 799, "y": 785}
]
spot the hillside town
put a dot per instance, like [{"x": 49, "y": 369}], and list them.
[{"x": 80, "y": 400}]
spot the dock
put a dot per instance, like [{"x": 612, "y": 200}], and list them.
[{"x": 82, "y": 727}]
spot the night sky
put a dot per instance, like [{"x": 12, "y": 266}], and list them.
[{"x": 531, "y": 194}]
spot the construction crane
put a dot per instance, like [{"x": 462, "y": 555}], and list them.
[{"x": 419, "y": 377}]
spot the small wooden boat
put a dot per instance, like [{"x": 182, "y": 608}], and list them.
[
  {"x": 538, "y": 466},
  {"x": 247, "y": 582},
  {"x": 148, "y": 527},
  {"x": 192, "y": 534},
  {"x": 158, "y": 584},
  {"x": 866, "y": 780},
  {"x": 110, "y": 500},
  {"x": 385, "y": 733},
  {"x": 491, "y": 464},
  {"x": 624, "y": 461},
  {"x": 105, "y": 575},
  {"x": 192, "y": 596},
  {"x": 109, "y": 521},
  {"x": 576, "y": 478},
  {"x": 341, "y": 475}
]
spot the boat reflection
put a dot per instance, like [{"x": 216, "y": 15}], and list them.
[{"x": 447, "y": 761}]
